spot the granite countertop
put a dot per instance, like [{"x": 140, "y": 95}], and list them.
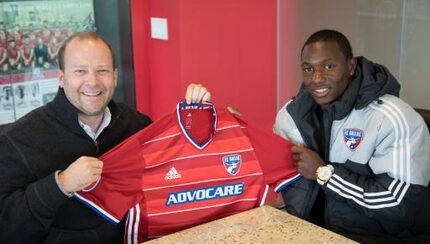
[{"x": 259, "y": 225}]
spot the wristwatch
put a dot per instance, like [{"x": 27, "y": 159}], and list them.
[{"x": 324, "y": 173}]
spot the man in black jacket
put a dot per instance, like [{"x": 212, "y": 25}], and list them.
[
  {"x": 52, "y": 152},
  {"x": 364, "y": 153}
]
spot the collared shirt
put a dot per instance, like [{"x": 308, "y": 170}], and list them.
[{"x": 107, "y": 116}]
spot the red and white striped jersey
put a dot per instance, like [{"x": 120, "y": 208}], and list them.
[{"x": 188, "y": 168}]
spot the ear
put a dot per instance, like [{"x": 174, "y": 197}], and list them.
[
  {"x": 352, "y": 64},
  {"x": 60, "y": 75},
  {"x": 115, "y": 74}
]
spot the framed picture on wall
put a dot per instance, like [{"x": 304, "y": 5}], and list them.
[{"x": 31, "y": 34}]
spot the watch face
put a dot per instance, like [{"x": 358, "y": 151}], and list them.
[{"x": 324, "y": 173}]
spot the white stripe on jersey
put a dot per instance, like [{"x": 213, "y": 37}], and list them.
[
  {"x": 227, "y": 127},
  {"x": 263, "y": 199},
  {"x": 286, "y": 182},
  {"x": 198, "y": 156},
  {"x": 130, "y": 223},
  {"x": 162, "y": 138},
  {"x": 201, "y": 181},
  {"x": 136, "y": 224},
  {"x": 97, "y": 208}
]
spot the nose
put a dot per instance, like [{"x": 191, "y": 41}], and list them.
[
  {"x": 318, "y": 76},
  {"x": 92, "y": 77}
]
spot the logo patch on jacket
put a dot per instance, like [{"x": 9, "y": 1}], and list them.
[
  {"x": 232, "y": 163},
  {"x": 352, "y": 138}
]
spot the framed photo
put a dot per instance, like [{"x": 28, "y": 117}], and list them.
[{"x": 31, "y": 34}]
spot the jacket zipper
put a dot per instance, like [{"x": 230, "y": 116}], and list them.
[{"x": 97, "y": 147}]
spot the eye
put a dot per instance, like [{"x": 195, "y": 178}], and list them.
[
  {"x": 308, "y": 70},
  {"x": 328, "y": 66},
  {"x": 80, "y": 72},
  {"x": 103, "y": 71}
]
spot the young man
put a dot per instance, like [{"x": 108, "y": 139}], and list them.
[
  {"x": 27, "y": 53},
  {"x": 364, "y": 153},
  {"x": 14, "y": 55},
  {"x": 52, "y": 152}
]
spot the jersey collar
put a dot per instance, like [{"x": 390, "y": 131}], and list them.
[{"x": 198, "y": 122}]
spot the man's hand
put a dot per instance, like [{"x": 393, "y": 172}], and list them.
[
  {"x": 197, "y": 93},
  {"x": 307, "y": 161},
  {"x": 81, "y": 173}
]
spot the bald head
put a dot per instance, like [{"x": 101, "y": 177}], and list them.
[{"x": 83, "y": 35}]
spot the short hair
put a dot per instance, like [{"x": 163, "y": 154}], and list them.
[
  {"x": 83, "y": 35},
  {"x": 331, "y": 36}
]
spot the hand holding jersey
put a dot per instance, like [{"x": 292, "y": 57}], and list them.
[
  {"x": 80, "y": 174},
  {"x": 307, "y": 161},
  {"x": 197, "y": 93}
]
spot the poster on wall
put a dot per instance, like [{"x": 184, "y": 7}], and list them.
[{"x": 31, "y": 34}]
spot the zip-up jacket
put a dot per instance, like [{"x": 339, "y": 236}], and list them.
[
  {"x": 32, "y": 207},
  {"x": 380, "y": 149}
]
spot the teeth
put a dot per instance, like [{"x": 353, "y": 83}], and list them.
[
  {"x": 321, "y": 90},
  {"x": 91, "y": 93}
]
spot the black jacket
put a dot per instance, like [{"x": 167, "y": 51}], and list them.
[
  {"x": 399, "y": 223},
  {"x": 32, "y": 207}
]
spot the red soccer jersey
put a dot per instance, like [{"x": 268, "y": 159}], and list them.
[{"x": 194, "y": 166}]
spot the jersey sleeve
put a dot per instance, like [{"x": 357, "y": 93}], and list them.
[
  {"x": 120, "y": 186},
  {"x": 274, "y": 154}
]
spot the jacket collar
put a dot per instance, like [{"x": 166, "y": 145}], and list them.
[{"x": 61, "y": 109}]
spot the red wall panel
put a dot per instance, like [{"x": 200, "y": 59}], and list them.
[
  {"x": 140, "y": 36},
  {"x": 229, "y": 46}
]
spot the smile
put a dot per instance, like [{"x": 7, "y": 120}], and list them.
[
  {"x": 320, "y": 92},
  {"x": 92, "y": 94}
]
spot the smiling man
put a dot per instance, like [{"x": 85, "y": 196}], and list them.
[
  {"x": 364, "y": 153},
  {"x": 53, "y": 151}
]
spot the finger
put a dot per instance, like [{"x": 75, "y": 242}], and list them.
[
  {"x": 299, "y": 169},
  {"x": 297, "y": 149},
  {"x": 206, "y": 97},
  {"x": 97, "y": 171},
  {"x": 195, "y": 94},
  {"x": 189, "y": 93},
  {"x": 90, "y": 182},
  {"x": 97, "y": 164},
  {"x": 296, "y": 157},
  {"x": 97, "y": 177},
  {"x": 202, "y": 93}
]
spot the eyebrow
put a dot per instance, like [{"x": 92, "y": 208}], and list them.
[
  {"x": 86, "y": 66},
  {"x": 322, "y": 61}
]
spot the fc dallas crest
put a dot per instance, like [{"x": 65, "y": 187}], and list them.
[
  {"x": 352, "y": 138},
  {"x": 232, "y": 163}
]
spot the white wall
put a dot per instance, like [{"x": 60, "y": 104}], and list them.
[{"x": 395, "y": 33}]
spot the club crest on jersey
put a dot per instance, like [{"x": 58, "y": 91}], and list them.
[
  {"x": 352, "y": 138},
  {"x": 232, "y": 163}
]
